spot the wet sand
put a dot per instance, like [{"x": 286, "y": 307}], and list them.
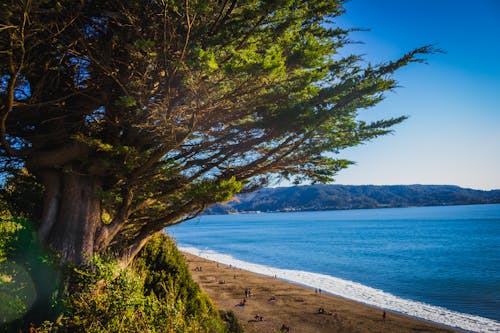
[{"x": 293, "y": 305}]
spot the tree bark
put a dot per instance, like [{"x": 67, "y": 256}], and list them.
[
  {"x": 51, "y": 199},
  {"x": 71, "y": 215}
]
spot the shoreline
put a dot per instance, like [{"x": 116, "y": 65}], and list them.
[
  {"x": 354, "y": 292},
  {"x": 295, "y": 305}
]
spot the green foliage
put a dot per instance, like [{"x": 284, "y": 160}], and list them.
[
  {"x": 167, "y": 273},
  {"x": 21, "y": 196},
  {"x": 233, "y": 324},
  {"x": 209, "y": 191},
  {"x": 28, "y": 279},
  {"x": 171, "y": 106},
  {"x": 206, "y": 59},
  {"x": 156, "y": 294},
  {"x": 97, "y": 144},
  {"x": 9, "y": 233},
  {"x": 13, "y": 303},
  {"x": 144, "y": 44},
  {"x": 127, "y": 101},
  {"x": 112, "y": 300}
]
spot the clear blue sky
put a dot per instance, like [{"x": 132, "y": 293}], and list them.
[{"x": 453, "y": 133}]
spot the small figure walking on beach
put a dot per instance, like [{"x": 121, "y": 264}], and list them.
[{"x": 384, "y": 315}]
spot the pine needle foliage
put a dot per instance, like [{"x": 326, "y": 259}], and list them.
[{"x": 153, "y": 110}]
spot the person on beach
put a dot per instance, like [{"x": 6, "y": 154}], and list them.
[
  {"x": 242, "y": 303},
  {"x": 259, "y": 317},
  {"x": 284, "y": 328},
  {"x": 322, "y": 311},
  {"x": 384, "y": 315}
]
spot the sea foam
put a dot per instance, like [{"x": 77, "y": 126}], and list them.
[{"x": 359, "y": 293}]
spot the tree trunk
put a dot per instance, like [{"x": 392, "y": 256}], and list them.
[
  {"x": 71, "y": 214},
  {"x": 127, "y": 255}
]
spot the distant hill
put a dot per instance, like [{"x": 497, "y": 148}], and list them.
[{"x": 334, "y": 197}]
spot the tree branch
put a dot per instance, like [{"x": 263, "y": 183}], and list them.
[{"x": 14, "y": 73}]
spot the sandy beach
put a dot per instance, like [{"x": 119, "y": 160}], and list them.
[{"x": 297, "y": 307}]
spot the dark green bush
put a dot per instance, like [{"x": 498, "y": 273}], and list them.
[
  {"x": 155, "y": 294},
  {"x": 28, "y": 278},
  {"x": 234, "y": 326},
  {"x": 167, "y": 273}
]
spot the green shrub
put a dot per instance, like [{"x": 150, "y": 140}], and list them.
[
  {"x": 162, "y": 261},
  {"x": 113, "y": 300},
  {"x": 167, "y": 275},
  {"x": 234, "y": 326},
  {"x": 28, "y": 279},
  {"x": 156, "y": 294}
]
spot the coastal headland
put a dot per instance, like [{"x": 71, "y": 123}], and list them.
[{"x": 271, "y": 303}]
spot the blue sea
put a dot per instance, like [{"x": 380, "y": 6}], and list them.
[{"x": 437, "y": 263}]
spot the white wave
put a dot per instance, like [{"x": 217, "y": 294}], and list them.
[{"x": 360, "y": 293}]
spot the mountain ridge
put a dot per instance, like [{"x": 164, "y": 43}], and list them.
[{"x": 342, "y": 197}]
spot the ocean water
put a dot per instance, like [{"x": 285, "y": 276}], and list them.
[{"x": 437, "y": 263}]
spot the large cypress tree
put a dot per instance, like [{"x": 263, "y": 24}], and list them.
[{"x": 137, "y": 114}]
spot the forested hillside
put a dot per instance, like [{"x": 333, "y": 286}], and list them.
[{"x": 325, "y": 197}]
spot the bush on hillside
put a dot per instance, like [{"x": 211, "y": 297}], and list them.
[
  {"x": 156, "y": 294},
  {"x": 114, "y": 300},
  {"x": 232, "y": 322},
  {"x": 28, "y": 279},
  {"x": 167, "y": 275}
]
